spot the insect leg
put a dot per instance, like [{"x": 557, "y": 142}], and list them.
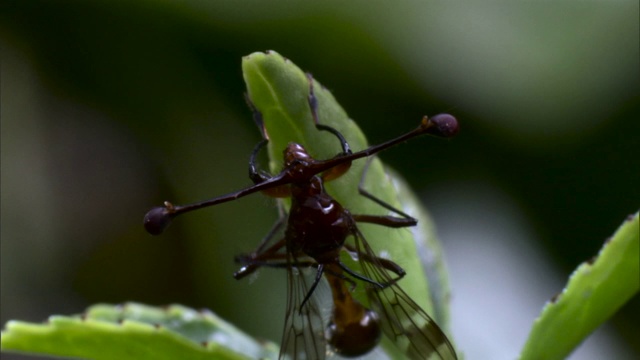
[
  {"x": 268, "y": 257},
  {"x": 255, "y": 260},
  {"x": 378, "y": 201},
  {"x": 282, "y": 264},
  {"x": 316, "y": 281},
  {"x": 282, "y": 219},
  {"x": 260, "y": 176},
  {"x": 358, "y": 276},
  {"x": 343, "y": 277},
  {"x": 257, "y": 176},
  {"x": 343, "y": 167},
  {"x": 388, "y": 221},
  {"x": 313, "y": 105},
  {"x": 254, "y": 174},
  {"x": 257, "y": 117},
  {"x": 387, "y": 264}
]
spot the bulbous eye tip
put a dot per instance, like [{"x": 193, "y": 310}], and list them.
[
  {"x": 446, "y": 125},
  {"x": 157, "y": 220}
]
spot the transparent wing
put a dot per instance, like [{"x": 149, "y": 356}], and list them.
[
  {"x": 303, "y": 337},
  {"x": 406, "y": 324}
]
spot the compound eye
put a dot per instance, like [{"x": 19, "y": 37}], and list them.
[
  {"x": 158, "y": 219},
  {"x": 444, "y": 125}
]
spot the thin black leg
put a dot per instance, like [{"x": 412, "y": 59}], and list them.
[
  {"x": 384, "y": 263},
  {"x": 373, "y": 198},
  {"x": 313, "y": 105},
  {"x": 316, "y": 281}
]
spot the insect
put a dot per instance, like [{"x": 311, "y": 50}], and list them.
[{"x": 315, "y": 238}]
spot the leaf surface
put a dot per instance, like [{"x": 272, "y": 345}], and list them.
[
  {"x": 135, "y": 331},
  {"x": 595, "y": 291}
]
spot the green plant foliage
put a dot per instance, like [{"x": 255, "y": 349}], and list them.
[
  {"x": 135, "y": 331},
  {"x": 596, "y": 290},
  {"x": 279, "y": 90}
]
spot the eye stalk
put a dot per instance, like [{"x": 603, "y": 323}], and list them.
[{"x": 300, "y": 167}]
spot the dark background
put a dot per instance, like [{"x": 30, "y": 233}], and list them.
[{"x": 109, "y": 108}]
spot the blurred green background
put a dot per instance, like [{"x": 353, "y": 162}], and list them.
[{"x": 110, "y": 108}]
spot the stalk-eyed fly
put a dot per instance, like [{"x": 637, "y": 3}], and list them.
[{"x": 315, "y": 236}]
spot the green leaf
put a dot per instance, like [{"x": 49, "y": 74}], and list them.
[
  {"x": 135, "y": 331},
  {"x": 596, "y": 290},
  {"x": 279, "y": 90}
]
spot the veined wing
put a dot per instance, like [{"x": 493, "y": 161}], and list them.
[
  {"x": 303, "y": 337},
  {"x": 407, "y": 325}
]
